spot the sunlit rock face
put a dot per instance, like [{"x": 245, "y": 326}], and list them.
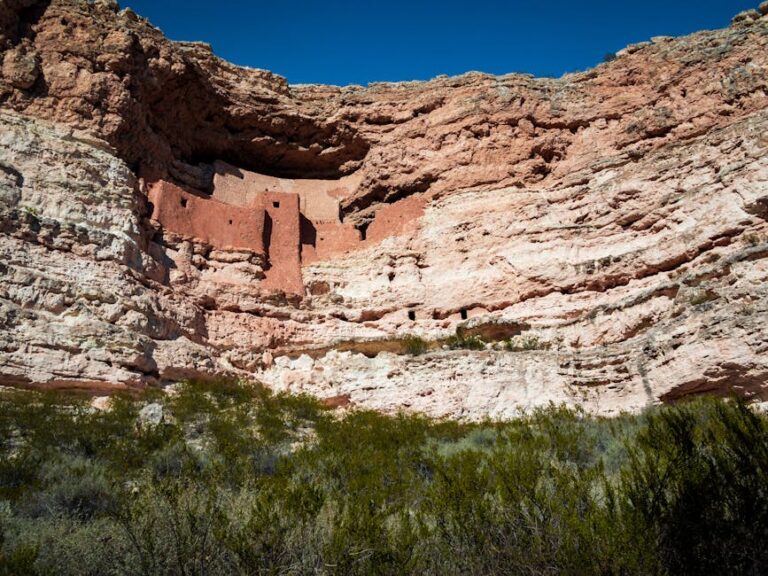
[{"x": 167, "y": 215}]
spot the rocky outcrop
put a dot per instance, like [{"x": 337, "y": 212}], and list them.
[
  {"x": 78, "y": 307},
  {"x": 612, "y": 221},
  {"x": 158, "y": 102}
]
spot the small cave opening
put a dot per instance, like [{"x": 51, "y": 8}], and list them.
[
  {"x": 463, "y": 313},
  {"x": 183, "y": 202},
  {"x": 411, "y": 315},
  {"x": 230, "y": 222},
  {"x": 363, "y": 229}
]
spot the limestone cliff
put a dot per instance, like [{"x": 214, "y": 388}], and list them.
[{"x": 165, "y": 214}]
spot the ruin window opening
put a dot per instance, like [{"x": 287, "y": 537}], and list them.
[
  {"x": 363, "y": 229},
  {"x": 463, "y": 313},
  {"x": 411, "y": 315},
  {"x": 183, "y": 202},
  {"x": 276, "y": 204},
  {"x": 230, "y": 221}
]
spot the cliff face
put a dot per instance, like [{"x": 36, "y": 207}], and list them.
[{"x": 612, "y": 223}]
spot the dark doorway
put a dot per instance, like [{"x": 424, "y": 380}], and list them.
[
  {"x": 411, "y": 315},
  {"x": 267, "y": 238},
  {"x": 463, "y": 313}
]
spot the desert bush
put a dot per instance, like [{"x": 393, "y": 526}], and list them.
[
  {"x": 701, "y": 296},
  {"x": 466, "y": 343},
  {"x": 525, "y": 343},
  {"x": 414, "y": 345},
  {"x": 71, "y": 487},
  {"x": 224, "y": 487},
  {"x": 697, "y": 478},
  {"x": 66, "y": 547}
]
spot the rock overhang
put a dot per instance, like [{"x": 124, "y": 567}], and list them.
[{"x": 617, "y": 214}]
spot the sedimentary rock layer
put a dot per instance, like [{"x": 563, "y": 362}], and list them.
[{"x": 612, "y": 222}]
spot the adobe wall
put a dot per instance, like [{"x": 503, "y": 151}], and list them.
[
  {"x": 319, "y": 199},
  {"x": 220, "y": 225},
  {"x": 234, "y": 186},
  {"x": 330, "y": 239},
  {"x": 268, "y": 226},
  {"x": 326, "y": 240},
  {"x": 322, "y": 233},
  {"x": 290, "y": 222},
  {"x": 281, "y": 241}
]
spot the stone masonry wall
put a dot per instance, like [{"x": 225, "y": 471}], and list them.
[{"x": 215, "y": 223}]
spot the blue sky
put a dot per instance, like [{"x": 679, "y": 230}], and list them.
[{"x": 356, "y": 42}]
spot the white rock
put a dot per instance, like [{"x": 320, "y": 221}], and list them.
[{"x": 151, "y": 415}]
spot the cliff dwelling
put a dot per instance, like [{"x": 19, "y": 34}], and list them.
[
  {"x": 618, "y": 214},
  {"x": 288, "y": 222}
]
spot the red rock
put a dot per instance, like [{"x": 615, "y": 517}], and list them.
[
  {"x": 20, "y": 67},
  {"x": 617, "y": 214}
]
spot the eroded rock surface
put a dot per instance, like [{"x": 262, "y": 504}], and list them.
[{"x": 614, "y": 219}]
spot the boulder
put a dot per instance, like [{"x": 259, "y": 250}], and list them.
[
  {"x": 21, "y": 67},
  {"x": 151, "y": 415}
]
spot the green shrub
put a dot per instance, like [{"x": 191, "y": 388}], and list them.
[
  {"x": 414, "y": 345},
  {"x": 697, "y": 478},
  {"x": 701, "y": 296},
  {"x": 72, "y": 487},
  {"x": 227, "y": 486},
  {"x": 457, "y": 342},
  {"x": 526, "y": 343}
]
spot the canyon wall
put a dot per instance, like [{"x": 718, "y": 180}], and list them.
[{"x": 167, "y": 215}]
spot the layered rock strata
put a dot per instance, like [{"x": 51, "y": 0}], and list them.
[{"x": 167, "y": 215}]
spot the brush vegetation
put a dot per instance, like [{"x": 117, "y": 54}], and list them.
[{"x": 235, "y": 480}]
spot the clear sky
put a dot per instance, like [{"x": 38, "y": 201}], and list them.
[{"x": 361, "y": 41}]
